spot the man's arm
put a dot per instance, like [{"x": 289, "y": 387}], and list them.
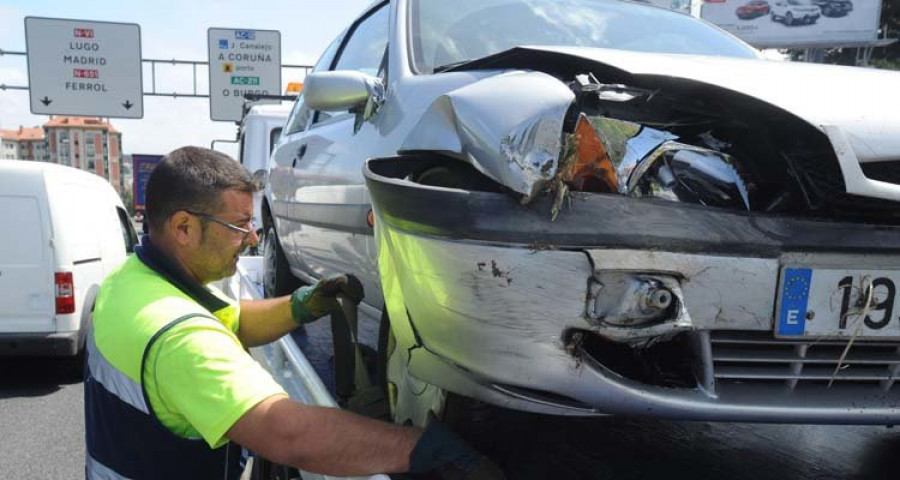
[
  {"x": 324, "y": 440},
  {"x": 264, "y": 321}
]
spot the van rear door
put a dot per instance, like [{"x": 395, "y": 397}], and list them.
[{"x": 27, "y": 298}]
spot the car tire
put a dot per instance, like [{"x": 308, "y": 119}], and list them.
[
  {"x": 263, "y": 469},
  {"x": 789, "y": 18},
  {"x": 277, "y": 277},
  {"x": 477, "y": 422},
  {"x": 773, "y": 17}
]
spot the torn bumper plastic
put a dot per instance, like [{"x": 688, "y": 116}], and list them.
[{"x": 505, "y": 307}]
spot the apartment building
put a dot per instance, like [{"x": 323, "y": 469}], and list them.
[
  {"x": 87, "y": 143},
  {"x": 26, "y": 143}
]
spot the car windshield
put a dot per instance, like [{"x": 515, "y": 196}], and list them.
[{"x": 445, "y": 33}]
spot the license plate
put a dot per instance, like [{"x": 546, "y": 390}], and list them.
[{"x": 826, "y": 303}]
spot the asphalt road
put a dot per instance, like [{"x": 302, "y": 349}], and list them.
[
  {"x": 536, "y": 447},
  {"x": 41, "y": 420},
  {"x": 532, "y": 447},
  {"x": 41, "y": 437}
]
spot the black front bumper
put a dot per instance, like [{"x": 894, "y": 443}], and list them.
[{"x": 607, "y": 220}]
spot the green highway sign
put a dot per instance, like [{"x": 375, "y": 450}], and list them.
[{"x": 245, "y": 80}]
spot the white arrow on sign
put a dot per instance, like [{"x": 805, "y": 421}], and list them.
[{"x": 84, "y": 67}]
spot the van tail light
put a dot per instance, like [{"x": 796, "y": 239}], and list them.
[{"x": 65, "y": 292}]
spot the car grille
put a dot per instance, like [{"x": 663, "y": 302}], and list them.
[
  {"x": 883, "y": 171},
  {"x": 760, "y": 358},
  {"x": 829, "y": 193}
]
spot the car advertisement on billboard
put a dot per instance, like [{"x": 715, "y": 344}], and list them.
[
  {"x": 796, "y": 23},
  {"x": 681, "y": 6}
]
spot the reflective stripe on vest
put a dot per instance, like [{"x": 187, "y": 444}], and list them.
[
  {"x": 95, "y": 470},
  {"x": 126, "y": 440},
  {"x": 111, "y": 379}
]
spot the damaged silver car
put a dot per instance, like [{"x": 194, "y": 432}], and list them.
[{"x": 583, "y": 207}]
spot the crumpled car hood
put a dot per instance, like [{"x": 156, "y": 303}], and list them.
[
  {"x": 509, "y": 125},
  {"x": 863, "y": 102}
]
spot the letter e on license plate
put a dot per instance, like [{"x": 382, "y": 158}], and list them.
[{"x": 828, "y": 303}]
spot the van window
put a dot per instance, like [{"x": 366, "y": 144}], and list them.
[
  {"x": 21, "y": 230},
  {"x": 128, "y": 234},
  {"x": 274, "y": 135},
  {"x": 241, "y": 152}
]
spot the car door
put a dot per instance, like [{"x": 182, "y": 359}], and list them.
[
  {"x": 284, "y": 158},
  {"x": 329, "y": 201}
]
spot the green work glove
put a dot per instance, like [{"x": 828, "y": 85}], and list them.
[
  {"x": 315, "y": 301},
  {"x": 441, "y": 451}
]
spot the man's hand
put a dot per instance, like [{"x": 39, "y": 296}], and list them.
[
  {"x": 315, "y": 301},
  {"x": 442, "y": 451}
]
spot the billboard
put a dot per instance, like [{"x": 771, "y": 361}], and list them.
[
  {"x": 796, "y": 23},
  {"x": 680, "y": 6},
  {"x": 142, "y": 166}
]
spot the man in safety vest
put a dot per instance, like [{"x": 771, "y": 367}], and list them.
[{"x": 168, "y": 383}]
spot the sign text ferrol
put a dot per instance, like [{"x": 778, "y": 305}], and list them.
[
  {"x": 84, "y": 67},
  {"x": 240, "y": 62}
]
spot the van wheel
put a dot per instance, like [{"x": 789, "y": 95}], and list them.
[
  {"x": 789, "y": 18},
  {"x": 277, "y": 277},
  {"x": 74, "y": 366}
]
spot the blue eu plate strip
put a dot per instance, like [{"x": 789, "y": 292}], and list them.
[{"x": 794, "y": 300}]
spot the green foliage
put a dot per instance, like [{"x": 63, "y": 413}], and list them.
[
  {"x": 886, "y": 64},
  {"x": 882, "y": 57},
  {"x": 128, "y": 200}
]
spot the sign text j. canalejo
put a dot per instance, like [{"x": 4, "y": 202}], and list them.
[{"x": 241, "y": 62}]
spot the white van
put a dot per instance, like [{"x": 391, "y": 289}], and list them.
[
  {"x": 260, "y": 129},
  {"x": 61, "y": 231}
]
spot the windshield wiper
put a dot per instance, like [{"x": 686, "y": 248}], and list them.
[{"x": 449, "y": 66}]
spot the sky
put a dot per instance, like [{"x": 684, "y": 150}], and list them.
[{"x": 173, "y": 30}]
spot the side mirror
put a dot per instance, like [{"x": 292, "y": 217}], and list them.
[{"x": 344, "y": 90}]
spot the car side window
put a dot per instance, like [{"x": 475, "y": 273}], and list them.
[
  {"x": 364, "y": 50},
  {"x": 300, "y": 114}
]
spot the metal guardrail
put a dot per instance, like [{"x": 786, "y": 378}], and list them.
[
  {"x": 283, "y": 358},
  {"x": 153, "y": 62}
]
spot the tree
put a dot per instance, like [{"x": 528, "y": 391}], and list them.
[
  {"x": 128, "y": 200},
  {"x": 883, "y": 57}
]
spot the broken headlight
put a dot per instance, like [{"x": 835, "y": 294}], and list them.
[
  {"x": 689, "y": 174},
  {"x": 606, "y": 155}
]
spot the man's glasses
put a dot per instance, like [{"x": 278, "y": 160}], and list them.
[{"x": 245, "y": 231}]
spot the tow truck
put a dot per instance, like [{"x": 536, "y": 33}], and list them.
[{"x": 301, "y": 375}]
